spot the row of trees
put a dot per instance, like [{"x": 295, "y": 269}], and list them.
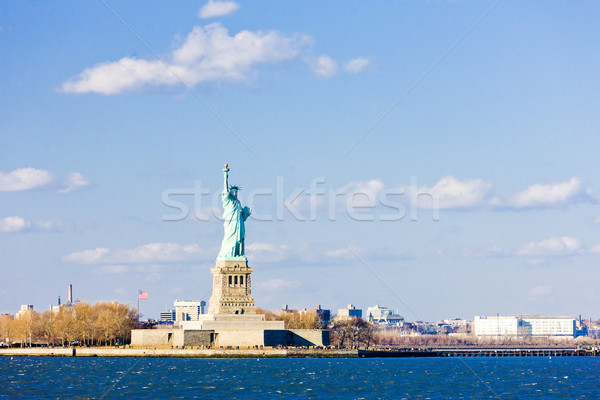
[
  {"x": 352, "y": 332},
  {"x": 102, "y": 323}
]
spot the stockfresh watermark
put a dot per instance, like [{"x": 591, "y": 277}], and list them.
[{"x": 358, "y": 201}]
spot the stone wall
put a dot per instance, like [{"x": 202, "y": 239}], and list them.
[
  {"x": 171, "y": 337},
  {"x": 242, "y": 338},
  {"x": 198, "y": 338},
  {"x": 229, "y": 337},
  {"x": 152, "y": 337}
]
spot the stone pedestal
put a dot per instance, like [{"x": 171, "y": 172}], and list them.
[{"x": 232, "y": 289}]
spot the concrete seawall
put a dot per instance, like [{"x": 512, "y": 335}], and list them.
[
  {"x": 289, "y": 353},
  {"x": 158, "y": 352}
]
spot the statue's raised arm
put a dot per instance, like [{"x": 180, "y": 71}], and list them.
[
  {"x": 234, "y": 216},
  {"x": 226, "y": 178}
]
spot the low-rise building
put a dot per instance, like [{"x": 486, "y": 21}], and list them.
[
  {"x": 524, "y": 325},
  {"x": 169, "y": 316},
  {"x": 188, "y": 310},
  {"x": 349, "y": 312},
  {"x": 383, "y": 316}
]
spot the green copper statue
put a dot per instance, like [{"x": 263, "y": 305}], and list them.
[{"x": 234, "y": 216}]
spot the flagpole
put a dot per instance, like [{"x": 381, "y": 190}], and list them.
[{"x": 138, "y": 310}]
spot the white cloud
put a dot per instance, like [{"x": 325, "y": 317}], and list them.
[
  {"x": 73, "y": 182},
  {"x": 208, "y": 54},
  {"x": 341, "y": 253},
  {"x": 18, "y": 224},
  {"x": 24, "y": 179},
  {"x": 324, "y": 66},
  {"x": 218, "y": 8},
  {"x": 13, "y": 224},
  {"x": 145, "y": 254},
  {"x": 552, "y": 195},
  {"x": 357, "y": 65},
  {"x": 555, "y": 246},
  {"x": 32, "y": 178},
  {"x": 361, "y": 193},
  {"x": 451, "y": 193}
]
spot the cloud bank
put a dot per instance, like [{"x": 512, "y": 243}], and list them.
[
  {"x": 452, "y": 193},
  {"x": 208, "y": 54},
  {"x": 151, "y": 253}
]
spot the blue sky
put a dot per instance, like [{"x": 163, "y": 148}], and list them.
[{"x": 489, "y": 108}]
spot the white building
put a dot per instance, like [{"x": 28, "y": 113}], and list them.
[
  {"x": 188, "y": 310},
  {"x": 496, "y": 326},
  {"x": 548, "y": 326},
  {"x": 524, "y": 325},
  {"x": 25, "y": 308},
  {"x": 383, "y": 315}
]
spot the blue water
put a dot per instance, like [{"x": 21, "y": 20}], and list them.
[{"x": 409, "y": 378}]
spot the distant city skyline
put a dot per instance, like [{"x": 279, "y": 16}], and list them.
[{"x": 116, "y": 120}]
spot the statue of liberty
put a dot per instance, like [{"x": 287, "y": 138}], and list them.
[{"x": 234, "y": 216}]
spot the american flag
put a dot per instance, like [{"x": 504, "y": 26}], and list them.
[{"x": 142, "y": 295}]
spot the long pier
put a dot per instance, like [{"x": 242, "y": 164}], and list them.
[{"x": 482, "y": 352}]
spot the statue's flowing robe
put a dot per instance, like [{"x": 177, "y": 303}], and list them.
[{"x": 233, "y": 221}]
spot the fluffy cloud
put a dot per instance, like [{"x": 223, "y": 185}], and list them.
[
  {"x": 555, "y": 246},
  {"x": 324, "y": 66},
  {"x": 24, "y": 179},
  {"x": 218, "y": 9},
  {"x": 451, "y": 193},
  {"x": 18, "y": 224},
  {"x": 152, "y": 253},
  {"x": 208, "y": 54},
  {"x": 32, "y": 178},
  {"x": 356, "y": 65},
  {"x": 361, "y": 193},
  {"x": 73, "y": 182},
  {"x": 13, "y": 224},
  {"x": 552, "y": 195}
]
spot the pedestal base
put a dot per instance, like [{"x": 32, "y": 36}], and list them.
[{"x": 232, "y": 289}]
